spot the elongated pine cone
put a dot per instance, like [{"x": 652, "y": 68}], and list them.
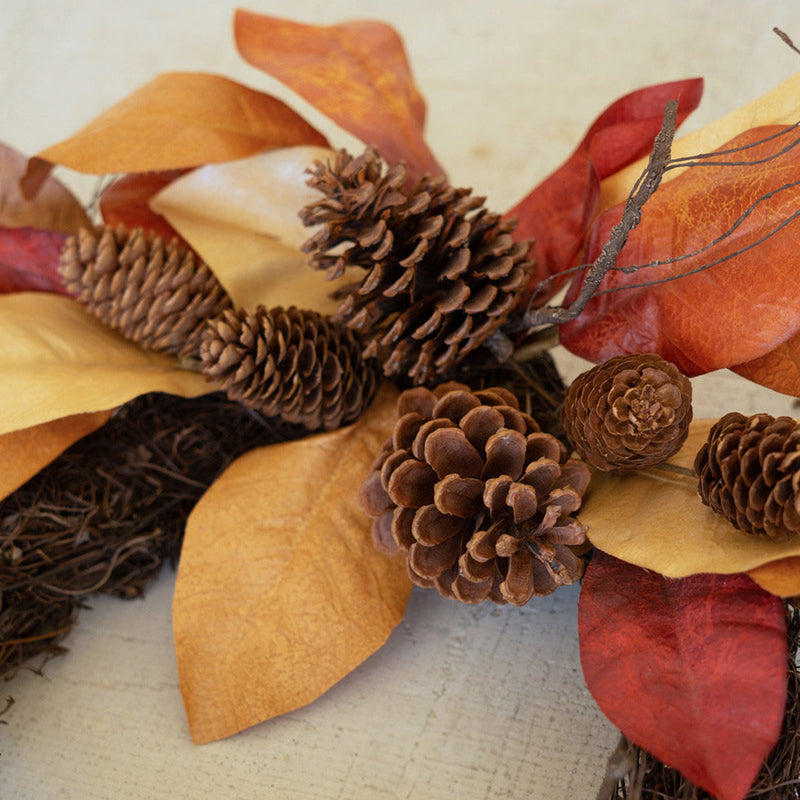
[
  {"x": 154, "y": 292},
  {"x": 477, "y": 497},
  {"x": 442, "y": 273},
  {"x": 291, "y": 363},
  {"x": 629, "y": 412},
  {"x": 749, "y": 471}
]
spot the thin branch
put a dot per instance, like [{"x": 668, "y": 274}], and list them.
[{"x": 785, "y": 38}]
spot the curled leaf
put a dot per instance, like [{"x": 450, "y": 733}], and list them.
[
  {"x": 654, "y": 518},
  {"x": 781, "y": 577},
  {"x": 182, "y": 119},
  {"x": 280, "y": 591},
  {"x": 24, "y": 452},
  {"x": 57, "y": 360},
  {"x": 53, "y": 207},
  {"x": 356, "y": 73},
  {"x": 692, "y": 670},
  {"x": 708, "y": 258},
  {"x": 241, "y": 217}
]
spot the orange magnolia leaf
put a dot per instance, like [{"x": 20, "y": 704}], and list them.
[
  {"x": 53, "y": 207},
  {"x": 182, "y": 119},
  {"x": 23, "y": 453},
  {"x": 780, "y": 577},
  {"x": 356, "y": 73},
  {"x": 280, "y": 592},
  {"x": 654, "y": 518},
  {"x": 126, "y": 201},
  {"x": 779, "y": 369},
  {"x": 722, "y": 233},
  {"x": 57, "y": 360}
]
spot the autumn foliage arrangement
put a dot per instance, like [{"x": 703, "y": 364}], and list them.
[{"x": 250, "y": 296}]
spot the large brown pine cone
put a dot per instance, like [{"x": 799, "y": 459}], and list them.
[
  {"x": 629, "y": 412},
  {"x": 479, "y": 499},
  {"x": 749, "y": 471},
  {"x": 442, "y": 273},
  {"x": 291, "y": 363},
  {"x": 156, "y": 293}
]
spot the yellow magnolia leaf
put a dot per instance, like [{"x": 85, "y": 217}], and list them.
[
  {"x": 182, "y": 119},
  {"x": 654, "y": 518},
  {"x": 23, "y": 453},
  {"x": 242, "y": 217},
  {"x": 57, "y": 360},
  {"x": 280, "y": 592},
  {"x": 779, "y": 106},
  {"x": 779, "y": 577}
]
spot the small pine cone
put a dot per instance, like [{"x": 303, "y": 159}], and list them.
[
  {"x": 290, "y": 363},
  {"x": 629, "y": 412},
  {"x": 154, "y": 292},
  {"x": 749, "y": 471},
  {"x": 442, "y": 273},
  {"x": 477, "y": 497}
]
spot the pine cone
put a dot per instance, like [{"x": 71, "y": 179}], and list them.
[
  {"x": 749, "y": 471},
  {"x": 631, "y": 411},
  {"x": 154, "y": 292},
  {"x": 477, "y": 496},
  {"x": 443, "y": 274},
  {"x": 290, "y": 363}
]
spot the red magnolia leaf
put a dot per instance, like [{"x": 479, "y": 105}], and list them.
[
  {"x": 126, "y": 201},
  {"x": 29, "y": 260},
  {"x": 737, "y": 299},
  {"x": 52, "y": 207},
  {"x": 558, "y": 212},
  {"x": 692, "y": 670},
  {"x": 356, "y": 73},
  {"x": 182, "y": 119}
]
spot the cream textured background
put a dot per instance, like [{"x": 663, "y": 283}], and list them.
[{"x": 462, "y": 702}]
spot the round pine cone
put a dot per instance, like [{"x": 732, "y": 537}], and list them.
[
  {"x": 291, "y": 363},
  {"x": 156, "y": 293},
  {"x": 477, "y": 496},
  {"x": 629, "y": 412},
  {"x": 442, "y": 273},
  {"x": 749, "y": 471}
]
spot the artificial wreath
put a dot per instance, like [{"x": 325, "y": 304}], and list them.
[{"x": 251, "y": 309}]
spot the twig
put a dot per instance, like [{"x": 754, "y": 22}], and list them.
[{"x": 785, "y": 38}]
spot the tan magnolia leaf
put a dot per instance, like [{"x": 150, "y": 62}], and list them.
[
  {"x": 242, "y": 217},
  {"x": 57, "y": 360},
  {"x": 779, "y": 106},
  {"x": 280, "y": 592},
  {"x": 23, "y": 453},
  {"x": 182, "y": 119},
  {"x": 654, "y": 518},
  {"x": 779, "y": 577}
]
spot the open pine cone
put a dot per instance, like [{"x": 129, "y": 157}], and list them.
[
  {"x": 477, "y": 497},
  {"x": 156, "y": 293},
  {"x": 749, "y": 471},
  {"x": 442, "y": 273},
  {"x": 629, "y": 412},
  {"x": 291, "y": 363}
]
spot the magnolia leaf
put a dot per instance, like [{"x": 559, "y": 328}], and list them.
[
  {"x": 558, "y": 212},
  {"x": 29, "y": 260},
  {"x": 779, "y": 577},
  {"x": 54, "y": 207},
  {"x": 779, "y": 106},
  {"x": 23, "y": 453},
  {"x": 126, "y": 201},
  {"x": 182, "y": 119},
  {"x": 691, "y": 670},
  {"x": 722, "y": 234},
  {"x": 356, "y": 73},
  {"x": 779, "y": 369},
  {"x": 654, "y": 518},
  {"x": 58, "y": 360},
  {"x": 241, "y": 217},
  {"x": 280, "y": 591}
]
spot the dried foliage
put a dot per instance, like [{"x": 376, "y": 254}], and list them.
[
  {"x": 107, "y": 513},
  {"x": 633, "y": 774}
]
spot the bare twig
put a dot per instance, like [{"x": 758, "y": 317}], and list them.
[{"x": 786, "y": 39}]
